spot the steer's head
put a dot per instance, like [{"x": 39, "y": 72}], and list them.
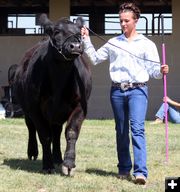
[{"x": 64, "y": 35}]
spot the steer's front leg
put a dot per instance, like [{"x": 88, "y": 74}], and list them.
[{"x": 72, "y": 132}]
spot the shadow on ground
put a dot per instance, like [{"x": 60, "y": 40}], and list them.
[
  {"x": 24, "y": 164},
  {"x": 27, "y": 165},
  {"x": 101, "y": 172}
]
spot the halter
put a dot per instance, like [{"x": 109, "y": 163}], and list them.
[{"x": 61, "y": 47}]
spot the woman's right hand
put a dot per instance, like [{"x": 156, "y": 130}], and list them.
[{"x": 84, "y": 32}]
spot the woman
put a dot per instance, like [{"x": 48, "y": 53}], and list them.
[
  {"x": 173, "y": 109},
  {"x": 133, "y": 59}
]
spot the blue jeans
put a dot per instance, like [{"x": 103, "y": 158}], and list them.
[
  {"x": 130, "y": 109},
  {"x": 173, "y": 113}
]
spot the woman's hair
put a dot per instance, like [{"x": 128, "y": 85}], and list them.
[{"x": 130, "y": 7}]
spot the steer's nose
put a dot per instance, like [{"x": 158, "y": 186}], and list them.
[{"x": 76, "y": 47}]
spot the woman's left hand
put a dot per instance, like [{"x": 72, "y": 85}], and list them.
[
  {"x": 166, "y": 99},
  {"x": 164, "y": 69}
]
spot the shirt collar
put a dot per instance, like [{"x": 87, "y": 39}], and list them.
[{"x": 122, "y": 37}]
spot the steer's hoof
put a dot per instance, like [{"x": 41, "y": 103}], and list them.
[
  {"x": 68, "y": 171},
  {"x": 48, "y": 171},
  {"x": 32, "y": 158}
]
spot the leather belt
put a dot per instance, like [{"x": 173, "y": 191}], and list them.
[{"x": 126, "y": 86}]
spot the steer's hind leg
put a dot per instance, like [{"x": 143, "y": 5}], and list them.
[
  {"x": 45, "y": 136},
  {"x": 32, "y": 150},
  {"x": 71, "y": 133}
]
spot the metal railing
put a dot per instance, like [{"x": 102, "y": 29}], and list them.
[{"x": 147, "y": 26}]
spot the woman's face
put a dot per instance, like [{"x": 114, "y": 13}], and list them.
[{"x": 127, "y": 22}]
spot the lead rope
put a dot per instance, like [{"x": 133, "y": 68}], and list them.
[
  {"x": 121, "y": 47},
  {"x": 59, "y": 51}
]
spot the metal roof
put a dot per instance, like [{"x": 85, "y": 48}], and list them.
[
  {"x": 146, "y": 6},
  {"x": 77, "y": 6}
]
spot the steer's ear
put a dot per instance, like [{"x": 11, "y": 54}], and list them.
[
  {"x": 46, "y": 23},
  {"x": 80, "y": 22}
]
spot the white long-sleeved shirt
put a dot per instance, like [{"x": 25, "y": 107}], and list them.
[{"x": 124, "y": 66}]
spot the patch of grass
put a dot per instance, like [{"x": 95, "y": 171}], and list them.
[{"x": 96, "y": 160}]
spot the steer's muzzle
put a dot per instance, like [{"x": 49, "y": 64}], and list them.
[{"x": 75, "y": 48}]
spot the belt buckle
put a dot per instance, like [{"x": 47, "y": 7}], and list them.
[{"x": 126, "y": 86}]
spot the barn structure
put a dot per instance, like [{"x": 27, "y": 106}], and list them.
[{"x": 99, "y": 14}]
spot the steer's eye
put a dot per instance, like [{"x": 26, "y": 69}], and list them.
[{"x": 56, "y": 32}]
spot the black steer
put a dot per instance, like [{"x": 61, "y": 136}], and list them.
[{"x": 53, "y": 84}]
